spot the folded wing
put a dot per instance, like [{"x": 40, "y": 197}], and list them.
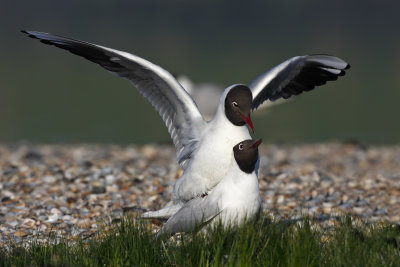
[
  {"x": 169, "y": 98},
  {"x": 193, "y": 214},
  {"x": 296, "y": 75}
]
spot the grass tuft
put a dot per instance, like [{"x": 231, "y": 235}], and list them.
[{"x": 262, "y": 242}]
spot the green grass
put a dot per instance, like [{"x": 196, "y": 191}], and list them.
[{"x": 259, "y": 243}]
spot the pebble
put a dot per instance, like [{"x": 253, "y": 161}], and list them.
[
  {"x": 13, "y": 223},
  {"x": 110, "y": 179},
  {"x": 72, "y": 190},
  {"x": 98, "y": 190},
  {"x": 20, "y": 233},
  {"x": 28, "y": 223},
  {"x": 55, "y": 211},
  {"x": 49, "y": 179},
  {"x": 52, "y": 218}
]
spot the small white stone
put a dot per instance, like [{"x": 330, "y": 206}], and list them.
[
  {"x": 42, "y": 228},
  {"x": 66, "y": 218},
  {"x": 13, "y": 223},
  {"x": 28, "y": 223},
  {"x": 110, "y": 179},
  {"x": 56, "y": 211},
  {"x": 358, "y": 210},
  {"x": 327, "y": 204},
  {"x": 280, "y": 199},
  {"x": 48, "y": 179},
  {"x": 53, "y": 218}
]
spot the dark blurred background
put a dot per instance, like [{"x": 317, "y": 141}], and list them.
[{"x": 48, "y": 95}]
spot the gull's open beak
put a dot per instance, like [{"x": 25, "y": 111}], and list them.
[
  {"x": 256, "y": 144},
  {"x": 248, "y": 121}
]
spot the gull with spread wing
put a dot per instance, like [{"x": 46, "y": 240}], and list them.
[{"x": 203, "y": 149}]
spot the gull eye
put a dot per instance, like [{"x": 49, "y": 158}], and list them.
[
  {"x": 235, "y": 104},
  {"x": 240, "y": 146}
]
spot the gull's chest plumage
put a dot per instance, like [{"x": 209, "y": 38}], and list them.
[
  {"x": 211, "y": 160},
  {"x": 238, "y": 196},
  {"x": 215, "y": 151}
]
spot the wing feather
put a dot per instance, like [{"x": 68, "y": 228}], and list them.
[
  {"x": 296, "y": 75},
  {"x": 164, "y": 92},
  {"x": 194, "y": 213}
]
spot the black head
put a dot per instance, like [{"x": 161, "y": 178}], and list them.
[
  {"x": 238, "y": 106},
  {"x": 246, "y": 154}
]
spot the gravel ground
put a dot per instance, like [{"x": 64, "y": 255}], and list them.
[{"x": 70, "y": 190}]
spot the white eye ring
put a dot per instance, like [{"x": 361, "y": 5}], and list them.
[
  {"x": 235, "y": 104},
  {"x": 240, "y": 146}
]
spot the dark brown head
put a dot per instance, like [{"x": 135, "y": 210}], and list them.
[
  {"x": 238, "y": 106},
  {"x": 246, "y": 154}
]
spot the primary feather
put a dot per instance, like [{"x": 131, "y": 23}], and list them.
[
  {"x": 296, "y": 75},
  {"x": 175, "y": 106}
]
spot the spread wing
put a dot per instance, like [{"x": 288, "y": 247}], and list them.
[
  {"x": 169, "y": 98},
  {"x": 194, "y": 213},
  {"x": 296, "y": 75}
]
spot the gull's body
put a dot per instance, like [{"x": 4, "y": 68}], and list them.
[
  {"x": 233, "y": 200},
  {"x": 212, "y": 158},
  {"x": 203, "y": 149}
]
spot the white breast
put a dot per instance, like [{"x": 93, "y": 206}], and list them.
[
  {"x": 238, "y": 197},
  {"x": 211, "y": 161},
  {"x": 213, "y": 157}
]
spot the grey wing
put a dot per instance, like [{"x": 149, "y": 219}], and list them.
[
  {"x": 296, "y": 75},
  {"x": 194, "y": 213},
  {"x": 177, "y": 109},
  {"x": 164, "y": 213}
]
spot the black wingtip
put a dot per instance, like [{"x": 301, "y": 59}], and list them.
[
  {"x": 29, "y": 33},
  {"x": 347, "y": 67}
]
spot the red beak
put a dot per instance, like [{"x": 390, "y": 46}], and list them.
[
  {"x": 248, "y": 121},
  {"x": 256, "y": 144}
]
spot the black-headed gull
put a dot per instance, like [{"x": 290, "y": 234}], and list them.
[
  {"x": 206, "y": 96},
  {"x": 233, "y": 200},
  {"x": 203, "y": 148}
]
